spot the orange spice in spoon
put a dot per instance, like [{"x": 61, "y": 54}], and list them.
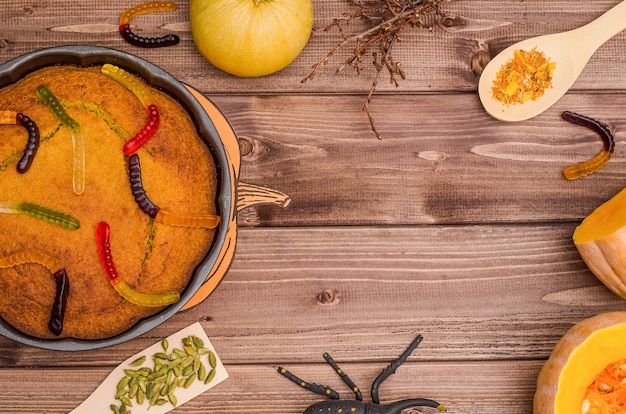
[{"x": 524, "y": 77}]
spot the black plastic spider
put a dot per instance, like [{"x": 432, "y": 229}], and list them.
[{"x": 358, "y": 406}]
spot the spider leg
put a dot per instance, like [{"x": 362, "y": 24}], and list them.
[
  {"x": 391, "y": 368},
  {"x": 317, "y": 389},
  {"x": 346, "y": 379}
]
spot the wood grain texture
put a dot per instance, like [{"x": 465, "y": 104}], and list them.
[
  {"x": 260, "y": 389},
  {"x": 434, "y": 61},
  {"x": 459, "y": 166},
  {"x": 454, "y": 225}
]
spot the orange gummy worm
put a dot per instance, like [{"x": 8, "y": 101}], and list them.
[{"x": 144, "y": 8}]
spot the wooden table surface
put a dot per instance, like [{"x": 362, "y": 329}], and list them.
[{"x": 453, "y": 225}]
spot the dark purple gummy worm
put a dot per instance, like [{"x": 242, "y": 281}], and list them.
[
  {"x": 60, "y": 302},
  {"x": 136, "y": 186},
  {"x": 147, "y": 42},
  {"x": 31, "y": 145}
]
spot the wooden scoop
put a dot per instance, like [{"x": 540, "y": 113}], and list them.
[
  {"x": 570, "y": 51},
  {"x": 104, "y": 395}
]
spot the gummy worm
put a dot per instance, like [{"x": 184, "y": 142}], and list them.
[
  {"x": 148, "y": 42},
  {"x": 78, "y": 140},
  {"x": 43, "y": 213},
  {"x": 594, "y": 164},
  {"x": 55, "y": 325},
  {"x": 152, "y": 210},
  {"x": 142, "y": 92},
  {"x": 32, "y": 144},
  {"x": 145, "y": 133},
  {"x": 103, "y": 234},
  {"x": 130, "y": 82},
  {"x": 136, "y": 186}
]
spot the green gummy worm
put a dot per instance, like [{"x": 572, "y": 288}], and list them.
[
  {"x": 44, "y": 213},
  {"x": 46, "y": 96}
]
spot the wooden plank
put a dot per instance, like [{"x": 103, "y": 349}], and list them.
[
  {"x": 483, "y": 387},
  {"x": 475, "y": 292},
  {"x": 446, "y": 55},
  {"x": 440, "y": 160}
]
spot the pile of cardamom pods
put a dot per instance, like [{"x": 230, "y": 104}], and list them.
[{"x": 178, "y": 368}]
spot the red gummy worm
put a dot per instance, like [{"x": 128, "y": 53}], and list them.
[
  {"x": 103, "y": 235},
  {"x": 144, "y": 135}
]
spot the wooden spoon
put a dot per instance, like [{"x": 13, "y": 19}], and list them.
[{"x": 570, "y": 51}]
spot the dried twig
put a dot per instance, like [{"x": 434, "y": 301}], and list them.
[{"x": 387, "y": 19}]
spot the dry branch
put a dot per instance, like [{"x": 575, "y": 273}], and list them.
[{"x": 386, "y": 19}]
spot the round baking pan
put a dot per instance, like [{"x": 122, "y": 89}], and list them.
[{"x": 85, "y": 56}]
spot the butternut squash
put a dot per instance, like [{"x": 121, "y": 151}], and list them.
[
  {"x": 576, "y": 361},
  {"x": 601, "y": 242}
]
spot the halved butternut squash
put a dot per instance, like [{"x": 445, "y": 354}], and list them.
[{"x": 601, "y": 242}]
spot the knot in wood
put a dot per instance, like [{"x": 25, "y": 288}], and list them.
[
  {"x": 450, "y": 20},
  {"x": 479, "y": 61},
  {"x": 245, "y": 146},
  {"x": 328, "y": 297}
]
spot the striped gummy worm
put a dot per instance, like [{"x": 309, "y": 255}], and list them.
[
  {"x": 144, "y": 8},
  {"x": 602, "y": 158},
  {"x": 143, "y": 93}
]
